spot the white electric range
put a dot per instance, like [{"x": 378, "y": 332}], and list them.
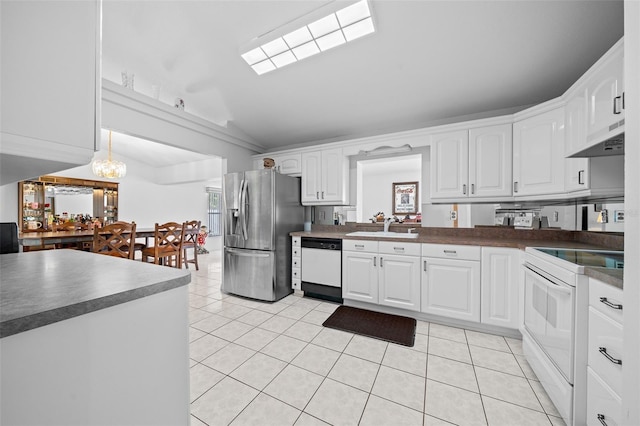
[{"x": 555, "y": 330}]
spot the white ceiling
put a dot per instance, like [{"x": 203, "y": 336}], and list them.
[{"x": 428, "y": 62}]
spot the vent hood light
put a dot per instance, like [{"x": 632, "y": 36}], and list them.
[{"x": 327, "y": 32}]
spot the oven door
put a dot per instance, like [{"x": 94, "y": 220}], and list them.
[{"x": 549, "y": 317}]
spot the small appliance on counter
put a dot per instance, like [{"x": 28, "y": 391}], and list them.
[{"x": 527, "y": 220}]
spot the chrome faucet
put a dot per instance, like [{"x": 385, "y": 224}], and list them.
[{"x": 387, "y": 223}]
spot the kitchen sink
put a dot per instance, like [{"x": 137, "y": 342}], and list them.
[{"x": 382, "y": 234}]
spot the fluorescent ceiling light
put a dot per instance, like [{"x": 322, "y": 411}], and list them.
[{"x": 335, "y": 29}]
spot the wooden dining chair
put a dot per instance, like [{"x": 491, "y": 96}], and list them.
[
  {"x": 167, "y": 245},
  {"x": 115, "y": 239},
  {"x": 190, "y": 241}
]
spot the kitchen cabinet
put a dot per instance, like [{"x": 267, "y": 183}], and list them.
[
  {"x": 360, "y": 270},
  {"x": 604, "y": 363},
  {"x": 325, "y": 177},
  {"x": 605, "y": 97},
  {"x": 296, "y": 263},
  {"x": 384, "y": 273},
  {"x": 451, "y": 281},
  {"x": 286, "y": 164},
  {"x": 50, "y": 82},
  {"x": 472, "y": 163},
  {"x": 538, "y": 154},
  {"x": 500, "y": 287},
  {"x": 399, "y": 275},
  {"x": 449, "y": 165}
]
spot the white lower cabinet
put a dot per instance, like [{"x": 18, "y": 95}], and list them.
[
  {"x": 360, "y": 274},
  {"x": 384, "y": 273},
  {"x": 451, "y": 281},
  {"x": 296, "y": 263},
  {"x": 500, "y": 287},
  {"x": 604, "y": 355}
]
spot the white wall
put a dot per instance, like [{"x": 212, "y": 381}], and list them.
[{"x": 631, "y": 351}]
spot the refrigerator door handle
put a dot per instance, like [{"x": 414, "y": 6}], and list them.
[
  {"x": 243, "y": 210},
  {"x": 244, "y": 253}
]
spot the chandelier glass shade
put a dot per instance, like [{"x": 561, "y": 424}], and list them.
[{"x": 109, "y": 168}]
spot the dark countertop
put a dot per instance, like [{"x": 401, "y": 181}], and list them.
[
  {"x": 490, "y": 237},
  {"x": 612, "y": 277},
  {"x": 44, "y": 287}
]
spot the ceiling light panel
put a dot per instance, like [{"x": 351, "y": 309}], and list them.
[{"x": 335, "y": 29}]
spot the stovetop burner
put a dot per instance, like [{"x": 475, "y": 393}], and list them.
[{"x": 592, "y": 258}]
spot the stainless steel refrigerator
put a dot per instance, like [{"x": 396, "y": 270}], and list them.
[{"x": 261, "y": 208}]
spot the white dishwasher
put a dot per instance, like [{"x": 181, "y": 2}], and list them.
[{"x": 322, "y": 268}]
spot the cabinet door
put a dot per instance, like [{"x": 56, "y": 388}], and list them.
[
  {"x": 360, "y": 276},
  {"x": 500, "y": 287},
  {"x": 538, "y": 154},
  {"x": 451, "y": 288},
  {"x": 490, "y": 159},
  {"x": 290, "y": 164},
  {"x": 311, "y": 177},
  {"x": 333, "y": 177},
  {"x": 604, "y": 103},
  {"x": 400, "y": 281},
  {"x": 50, "y": 84},
  {"x": 450, "y": 165},
  {"x": 575, "y": 116}
]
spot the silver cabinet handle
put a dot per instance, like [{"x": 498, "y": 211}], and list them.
[
  {"x": 581, "y": 177},
  {"x": 473, "y": 188},
  {"x": 381, "y": 265},
  {"x": 374, "y": 261},
  {"x": 323, "y": 195},
  {"x": 398, "y": 249},
  {"x": 515, "y": 186},
  {"x": 609, "y": 304},
  {"x": 317, "y": 195},
  {"x": 617, "y": 103},
  {"x": 601, "y": 418},
  {"x": 603, "y": 351},
  {"x": 450, "y": 251},
  {"x": 464, "y": 189},
  {"x": 359, "y": 246},
  {"x": 424, "y": 268}
]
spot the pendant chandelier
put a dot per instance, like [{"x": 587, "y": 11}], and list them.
[{"x": 109, "y": 168}]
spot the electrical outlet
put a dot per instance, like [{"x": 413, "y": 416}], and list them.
[
  {"x": 453, "y": 215},
  {"x": 618, "y": 215},
  {"x": 556, "y": 216}
]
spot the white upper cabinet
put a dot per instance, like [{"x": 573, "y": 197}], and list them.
[
  {"x": 289, "y": 164},
  {"x": 605, "y": 109},
  {"x": 50, "y": 104},
  {"x": 325, "y": 177},
  {"x": 472, "y": 163},
  {"x": 490, "y": 161},
  {"x": 538, "y": 154},
  {"x": 450, "y": 165}
]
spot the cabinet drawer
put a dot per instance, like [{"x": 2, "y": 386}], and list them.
[
  {"x": 390, "y": 247},
  {"x": 296, "y": 252},
  {"x": 602, "y": 402},
  {"x": 295, "y": 273},
  {"x": 606, "y": 299},
  {"x": 296, "y": 241},
  {"x": 605, "y": 335},
  {"x": 445, "y": 251},
  {"x": 360, "y": 245},
  {"x": 295, "y": 262}
]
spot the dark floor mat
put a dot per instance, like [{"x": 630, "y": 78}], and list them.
[{"x": 392, "y": 328}]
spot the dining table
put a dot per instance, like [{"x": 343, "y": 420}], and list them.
[{"x": 43, "y": 238}]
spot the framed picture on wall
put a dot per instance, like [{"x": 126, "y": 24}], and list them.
[{"x": 405, "y": 198}]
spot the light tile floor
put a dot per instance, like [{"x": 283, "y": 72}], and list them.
[{"x": 256, "y": 363}]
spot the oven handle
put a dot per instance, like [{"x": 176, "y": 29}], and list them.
[{"x": 553, "y": 283}]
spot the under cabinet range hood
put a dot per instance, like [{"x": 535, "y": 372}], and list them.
[{"x": 611, "y": 146}]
